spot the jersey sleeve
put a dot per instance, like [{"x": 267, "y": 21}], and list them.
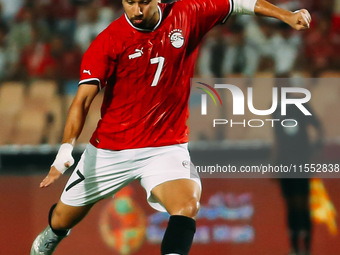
[
  {"x": 98, "y": 62},
  {"x": 204, "y": 14}
]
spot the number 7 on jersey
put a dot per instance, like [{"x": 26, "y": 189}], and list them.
[{"x": 160, "y": 62}]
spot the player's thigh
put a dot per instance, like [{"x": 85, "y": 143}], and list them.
[
  {"x": 66, "y": 216},
  {"x": 170, "y": 180},
  {"x": 179, "y": 197},
  {"x": 98, "y": 174}
]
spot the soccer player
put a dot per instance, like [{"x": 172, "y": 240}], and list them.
[
  {"x": 294, "y": 146},
  {"x": 144, "y": 60}
]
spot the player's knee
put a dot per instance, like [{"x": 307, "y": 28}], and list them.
[
  {"x": 188, "y": 208},
  {"x": 60, "y": 221}
]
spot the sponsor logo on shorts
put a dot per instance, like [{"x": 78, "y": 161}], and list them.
[{"x": 186, "y": 163}]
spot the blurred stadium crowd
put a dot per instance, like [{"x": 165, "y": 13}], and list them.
[
  {"x": 43, "y": 40},
  {"x": 249, "y": 44},
  {"x": 46, "y": 39}
]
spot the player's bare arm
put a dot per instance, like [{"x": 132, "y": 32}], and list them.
[
  {"x": 73, "y": 127},
  {"x": 298, "y": 20}
]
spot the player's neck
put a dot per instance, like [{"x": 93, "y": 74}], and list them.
[{"x": 154, "y": 20}]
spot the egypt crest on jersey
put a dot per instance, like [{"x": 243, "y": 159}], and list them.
[{"x": 176, "y": 38}]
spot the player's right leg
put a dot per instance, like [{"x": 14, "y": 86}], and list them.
[
  {"x": 99, "y": 174},
  {"x": 61, "y": 219}
]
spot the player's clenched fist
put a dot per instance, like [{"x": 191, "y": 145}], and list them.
[
  {"x": 61, "y": 163},
  {"x": 300, "y": 19}
]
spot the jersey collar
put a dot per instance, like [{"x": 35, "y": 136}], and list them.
[{"x": 144, "y": 29}]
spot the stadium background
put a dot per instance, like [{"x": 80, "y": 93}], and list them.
[{"x": 41, "y": 43}]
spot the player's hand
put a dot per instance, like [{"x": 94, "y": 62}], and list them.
[
  {"x": 62, "y": 162},
  {"x": 299, "y": 20},
  {"x": 52, "y": 176}
]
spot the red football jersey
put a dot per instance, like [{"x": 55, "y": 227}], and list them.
[{"x": 146, "y": 74}]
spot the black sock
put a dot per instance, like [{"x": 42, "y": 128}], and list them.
[
  {"x": 57, "y": 232},
  {"x": 178, "y": 235}
]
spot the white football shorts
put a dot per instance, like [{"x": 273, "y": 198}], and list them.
[{"x": 102, "y": 173}]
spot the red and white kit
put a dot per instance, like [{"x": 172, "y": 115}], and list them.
[
  {"x": 142, "y": 133},
  {"x": 147, "y": 74}
]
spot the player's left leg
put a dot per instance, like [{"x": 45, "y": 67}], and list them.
[
  {"x": 305, "y": 224},
  {"x": 296, "y": 193},
  {"x": 172, "y": 184},
  {"x": 181, "y": 200}
]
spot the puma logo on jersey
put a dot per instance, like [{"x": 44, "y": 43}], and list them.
[
  {"x": 87, "y": 71},
  {"x": 138, "y": 54}
]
